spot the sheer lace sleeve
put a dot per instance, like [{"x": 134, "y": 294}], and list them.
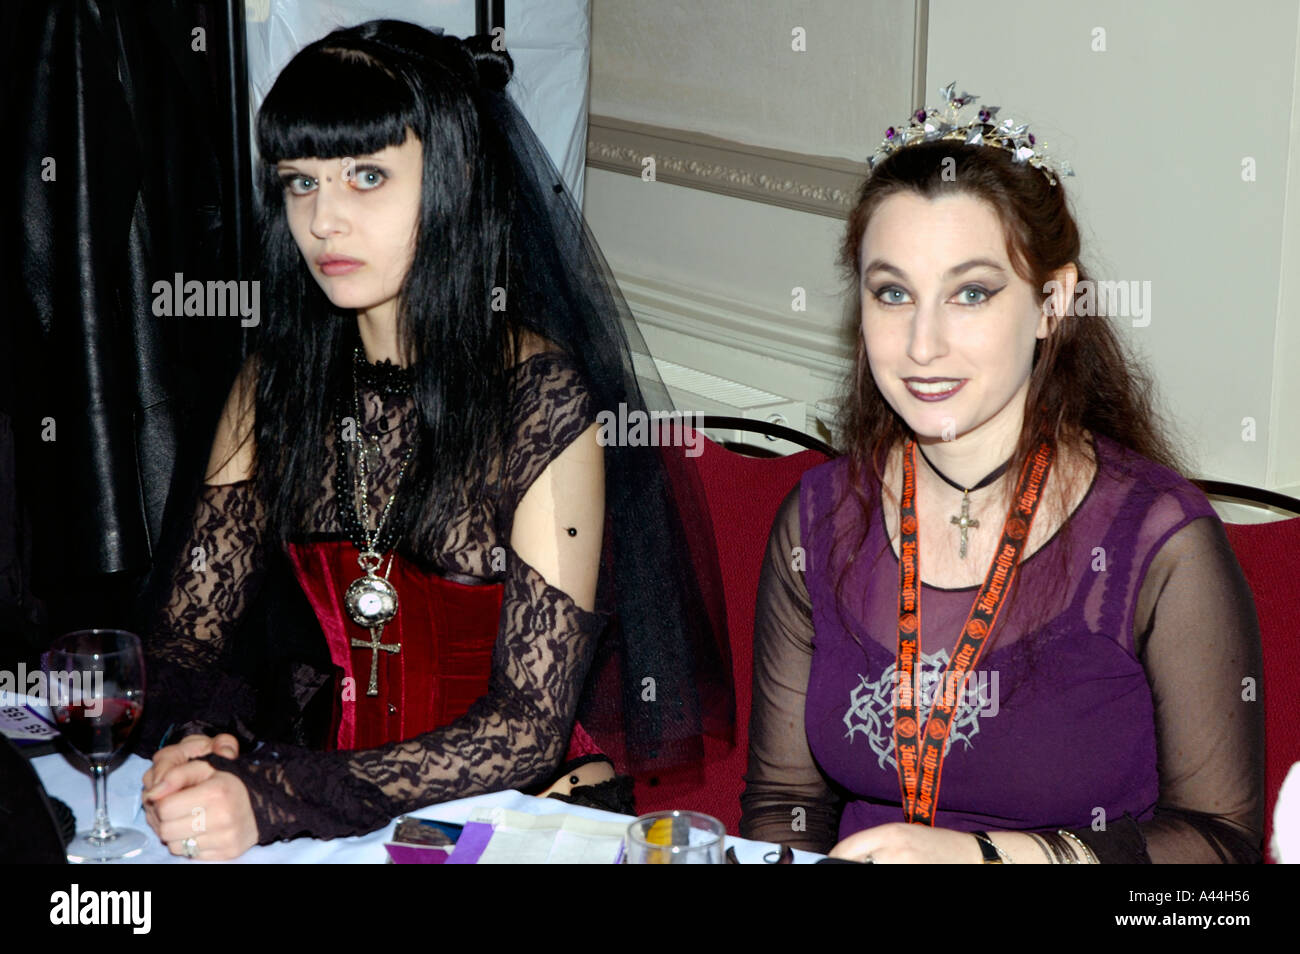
[
  {"x": 216, "y": 576},
  {"x": 513, "y": 737},
  {"x": 786, "y": 797},
  {"x": 516, "y": 735},
  {"x": 551, "y": 408},
  {"x": 1198, "y": 638}
]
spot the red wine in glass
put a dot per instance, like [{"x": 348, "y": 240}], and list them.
[
  {"x": 95, "y": 682},
  {"x": 98, "y": 731}
]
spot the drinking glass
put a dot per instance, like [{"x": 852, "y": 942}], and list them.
[
  {"x": 95, "y": 682},
  {"x": 675, "y": 838}
]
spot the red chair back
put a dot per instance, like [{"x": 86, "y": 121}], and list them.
[
  {"x": 1269, "y": 554},
  {"x": 743, "y": 494}
]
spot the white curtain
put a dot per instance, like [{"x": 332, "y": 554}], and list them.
[{"x": 548, "y": 39}]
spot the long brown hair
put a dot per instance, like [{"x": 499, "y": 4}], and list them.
[{"x": 1082, "y": 378}]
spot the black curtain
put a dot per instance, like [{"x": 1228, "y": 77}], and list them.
[{"x": 131, "y": 120}]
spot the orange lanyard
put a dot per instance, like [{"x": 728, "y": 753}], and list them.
[{"x": 920, "y": 760}]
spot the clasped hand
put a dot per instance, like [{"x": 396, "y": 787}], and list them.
[{"x": 185, "y": 798}]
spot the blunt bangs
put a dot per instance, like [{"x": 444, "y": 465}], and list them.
[{"x": 331, "y": 103}]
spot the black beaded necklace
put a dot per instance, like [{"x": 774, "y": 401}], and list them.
[{"x": 386, "y": 379}]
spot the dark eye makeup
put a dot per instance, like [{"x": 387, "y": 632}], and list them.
[{"x": 987, "y": 294}]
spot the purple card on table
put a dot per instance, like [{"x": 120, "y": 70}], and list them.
[
  {"x": 471, "y": 843},
  {"x": 418, "y": 854}
]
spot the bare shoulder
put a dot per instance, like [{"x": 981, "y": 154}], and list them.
[
  {"x": 559, "y": 524},
  {"x": 232, "y": 453}
]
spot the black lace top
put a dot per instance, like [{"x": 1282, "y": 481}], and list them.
[{"x": 513, "y": 737}]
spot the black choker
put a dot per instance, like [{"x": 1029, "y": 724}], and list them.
[
  {"x": 384, "y": 377},
  {"x": 994, "y": 475}
]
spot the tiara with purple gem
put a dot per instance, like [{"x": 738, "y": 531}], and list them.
[{"x": 955, "y": 121}]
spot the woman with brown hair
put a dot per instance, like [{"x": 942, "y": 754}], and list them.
[{"x": 1002, "y": 613}]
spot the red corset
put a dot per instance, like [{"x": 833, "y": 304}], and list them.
[{"x": 446, "y": 631}]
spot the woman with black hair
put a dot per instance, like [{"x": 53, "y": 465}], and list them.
[{"x": 416, "y": 434}]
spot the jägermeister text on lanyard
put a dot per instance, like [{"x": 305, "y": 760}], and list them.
[{"x": 920, "y": 760}]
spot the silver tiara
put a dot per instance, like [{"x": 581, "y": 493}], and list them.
[{"x": 954, "y": 120}]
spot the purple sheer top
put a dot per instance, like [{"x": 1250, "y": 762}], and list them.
[{"x": 1129, "y": 632}]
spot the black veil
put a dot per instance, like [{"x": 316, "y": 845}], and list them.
[{"x": 661, "y": 678}]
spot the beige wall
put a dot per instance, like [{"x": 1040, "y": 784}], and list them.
[
  {"x": 1157, "y": 127},
  {"x": 726, "y": 67}
]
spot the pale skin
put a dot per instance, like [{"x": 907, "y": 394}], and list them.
[
  {"x": 365, "y": 208},
  {"x": 940, "y": 299}
]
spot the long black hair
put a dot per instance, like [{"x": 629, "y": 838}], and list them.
[
  {"x": 494, "y": 220},
  {"x": 387, "y": 80}
]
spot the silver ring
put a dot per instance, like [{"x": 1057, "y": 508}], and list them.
[{"x": 191, "y": 848}]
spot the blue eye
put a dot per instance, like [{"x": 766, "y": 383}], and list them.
[
  {"x": 977, "y": 289},
  {"x": 886, "y": 295},
  {"x": 969, "y": 296},
  {"x": 368, "y": 178},
  {"x": 288, "y": 180}
]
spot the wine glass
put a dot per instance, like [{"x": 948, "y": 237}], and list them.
[{"x": 95, "y": 681}]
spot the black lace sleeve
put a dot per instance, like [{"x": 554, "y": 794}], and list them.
[
  {"x": 513, "y": 737},
  {"x": 216, "y": 576},
  {"x": 787, "y": 799},
  {"x": 1198, "y": 638},
  {"x": 551, "y": 408}
]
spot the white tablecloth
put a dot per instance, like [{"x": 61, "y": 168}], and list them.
[{"x": 71, "y": 784}]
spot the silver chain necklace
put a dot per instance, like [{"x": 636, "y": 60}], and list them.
[{"x": 371, "y": 600}]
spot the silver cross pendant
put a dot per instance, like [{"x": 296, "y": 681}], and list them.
[{"x": 965, "y": 522}]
